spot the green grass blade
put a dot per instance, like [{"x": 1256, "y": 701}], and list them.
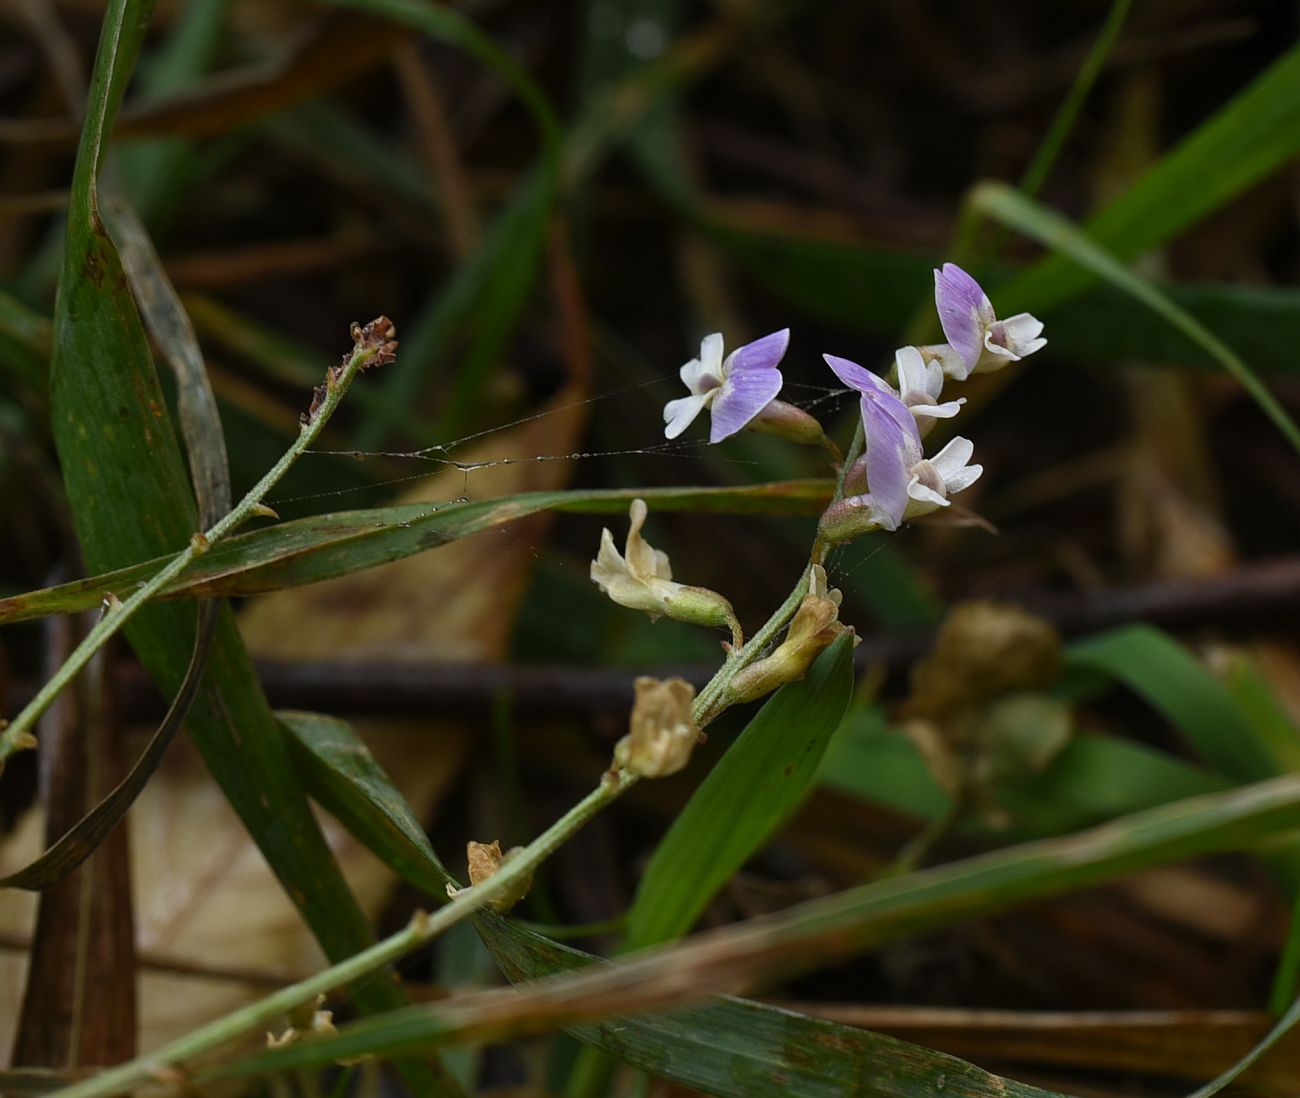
[
  {"x": 1059, "y": 234},
  {"x": 487, "y": 294},
  {"x": 752, "y": 790},
  {"x": 25, "y": 339},
  {"x": 1173, "y": 681},
  {"x": 713, "y": 1048},
  {"x": 1251, "y": 136},
  {"x": 200, "y": 422},
  {"x": 308, "y": 550},
  {"x": 1283, "y": 1026},
  {"x": 79, "y": 842},
  {"x": 727, "y": 1047},
  {"x": 820, "y": 932},
  {"x": 131, "y": 500},
  {"x": 1095, "y": 778},
  {"x": 157, "y": 173},
  {"x": 1054, "y": 140},
  {"x": 343, "y": 778}
]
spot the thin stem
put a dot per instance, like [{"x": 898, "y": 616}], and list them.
[
  {"x": 421, "y": 929},
  {"x": 18, "y": 734},
  {"x": 1050, "y": 147}
]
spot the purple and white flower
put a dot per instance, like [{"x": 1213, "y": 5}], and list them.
[
  {"x": 978, "y": 341},
  {"x": 902, "y": 483},
  {"x": 735, "y": 389}
]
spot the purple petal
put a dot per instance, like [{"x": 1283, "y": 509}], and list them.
[
  {"x": 853, "y": 375},
  {"x": 743, "y": 395},
  {"x": 964, "y": 310},
  {"x": 889, "y": 458},
  {"x": 762, "y": 354}
]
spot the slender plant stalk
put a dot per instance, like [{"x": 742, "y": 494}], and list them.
[
  {"x": 162, "y": 1064},
  {"x": 17, "y": 735}
]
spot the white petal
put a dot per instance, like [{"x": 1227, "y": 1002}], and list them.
[
  {"x": 946, "y": 410},
  {"x": 953, "y": 457},
  {"x": 963, "y": 479},
  {"x": 950, "y": 363},
  {"x": 923, "y": 495},
  {"x": 1022, "y": 333},
  {"x": 711, "y": 354},
  {"x": 991, "y": 348},
  {"x": 678, "y": 414},
  {"x": 911, "y": 370}
]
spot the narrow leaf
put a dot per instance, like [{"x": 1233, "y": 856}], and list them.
[
  {"x": 325, "y": 546},
  {"x": 1162, "y": 671},
  {"x": 751, "y": 791},
  {"x": 1056, "y": 232}
]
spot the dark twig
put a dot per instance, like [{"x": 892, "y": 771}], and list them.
[{"x": 1252, "y": 599}]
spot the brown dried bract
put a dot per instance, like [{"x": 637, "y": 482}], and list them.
[{"x": 380, "y": 336}]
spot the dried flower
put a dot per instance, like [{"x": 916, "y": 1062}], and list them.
[
  {"x": 734, "y": 389},
  {"x": 484, "y": 860},
  {"x": 814, "y": 626},
  {"x": 662, "y": 731},
  {"x": 978, "y": 340},
  {"x": 642, "y": 579}
]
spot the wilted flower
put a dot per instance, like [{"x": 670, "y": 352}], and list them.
[
  {"x": 980, "y": 342},
  {"x": 642, "y": 579},
  {"x": 484, "y": 860},
  {"x": 902, "y": 483},
  {"x": 662, "y": 731},
  {"x": 734, "y": 389},
  {"x": 814, "y": 626}
]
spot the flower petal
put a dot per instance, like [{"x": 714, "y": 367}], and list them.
[
  {"x": 704, "y": 373},
  {"x": 854, "y": 376},
  {"x": 946, "y": 410},
  {"x": 743, "y": 395},
  {"x": 953, "y": 457},
  {"x": 964, "y": 311},
  {"x": 1023, "y": 333},
  {"x": 923, "y": 494},
  {"x": 678, "y": 414},
  {"x": 912, "y": 373},
  {"x": 890, "y": 457},
  {"x": 963, "y": 479},
  {"x": 762, "y": 354}
]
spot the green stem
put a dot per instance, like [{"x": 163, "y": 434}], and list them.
[
  {"x": 18, "y": 734},
  {"x": 163, "y": 1062},
  {"x": 708, "y": 704}
]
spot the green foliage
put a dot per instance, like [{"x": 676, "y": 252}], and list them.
[{"x": 754, "y": 788}]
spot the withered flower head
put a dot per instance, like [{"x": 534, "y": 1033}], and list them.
[
  {"x": 642, "y": 579},
  {"x": 662, "y": 731},
  {"x": 814, "y": 626},
  {"x": 485, "y": 859}
]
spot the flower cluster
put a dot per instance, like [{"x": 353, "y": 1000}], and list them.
[{"x": 893, "y": 480}]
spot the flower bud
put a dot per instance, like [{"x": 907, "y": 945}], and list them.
[
  {"x": 814, "y": 626},
  {"x": 662, "y": 731},
  {"x": 788, "y": 422},
  {"x": 485, "y": 859},
  {"x": 851, "y": 518},
  {"x": 642, "y": 579}
]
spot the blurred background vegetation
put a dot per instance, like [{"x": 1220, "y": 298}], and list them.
[{"x": 554, "y": 202}]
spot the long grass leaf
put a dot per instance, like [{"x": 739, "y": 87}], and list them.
[
  {"x": 131, "y": 500},
  {"x": 308, "y": 550},
  {"x": 1056, "y": 232},
  {"x": 750, "y": 792}
]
